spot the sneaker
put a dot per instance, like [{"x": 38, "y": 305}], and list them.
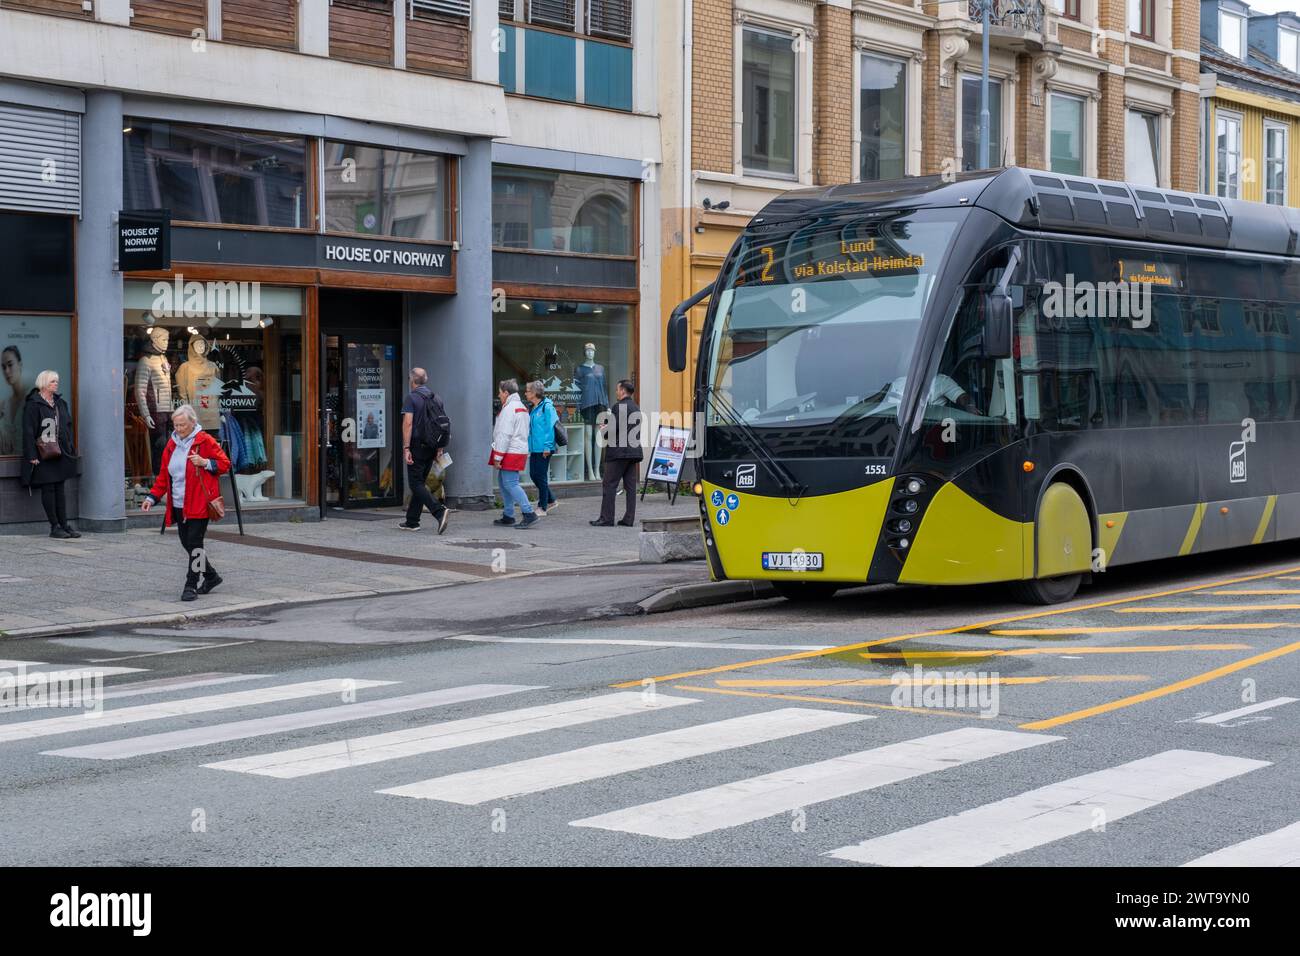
[
  {"x": 189, "y": 594},
  {"x": 504, "y": 521},
  {"x": 540, "y": 512},
  {"x": 442, "y": 522},
  {"x": 529, "y": 521},
  {"x": 553, "y": 505},
  {"x": 72, "y": 532},
  {"x": 210, "y": 583},
  {"x": 408, "y": 527},
  {"x": 59, "y": 533}
]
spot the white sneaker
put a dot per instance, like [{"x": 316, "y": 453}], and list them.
[
  {"x": 540, "y": 512},
  {"x": 553, "y": 506}
]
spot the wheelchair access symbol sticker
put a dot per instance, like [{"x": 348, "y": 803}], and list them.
[
  {"x": 723, "y": 516},
  {"x": 716, "y": 498}
]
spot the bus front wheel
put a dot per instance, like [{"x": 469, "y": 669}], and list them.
[
  {"x": 1046, "y": 590},
  {"x": 805, "y": 591}
]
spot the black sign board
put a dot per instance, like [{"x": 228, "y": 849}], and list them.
[
  {"x": 379, "y": 256},
  {"x": 144, "y": 240}
]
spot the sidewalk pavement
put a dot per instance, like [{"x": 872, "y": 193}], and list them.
[{"x": 50, "y": 586}]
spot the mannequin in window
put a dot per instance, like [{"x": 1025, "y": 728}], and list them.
[
  {"x": 197, "y": 384},
  {"x": 594, "y": 399},
  {"x": 153, "y": 392}
]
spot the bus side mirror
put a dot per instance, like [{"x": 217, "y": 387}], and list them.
[
  {"x": 679, "y": 330},
  {"x": 998, "y": 308},
  {"x": 677, "y": 337}
]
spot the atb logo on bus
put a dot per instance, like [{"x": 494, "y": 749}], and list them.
[
  {"x": 747, "y": 476},
  {"x": 792, "y": 560},
  {"x": 1237, "y": 462}
]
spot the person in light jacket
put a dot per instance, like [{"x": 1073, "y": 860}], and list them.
[
  {"x": 510, "y": 453},
  {"x": 187, "y": 480},
  {"x": 541, "y": 444}
]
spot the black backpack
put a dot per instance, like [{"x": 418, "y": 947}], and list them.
[{"x": 431, "y": 427}]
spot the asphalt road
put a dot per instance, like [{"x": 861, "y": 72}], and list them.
[{"x": 1148, "y": 722}]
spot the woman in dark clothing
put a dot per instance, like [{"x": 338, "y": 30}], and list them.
[{"x": 47, "y": 418}]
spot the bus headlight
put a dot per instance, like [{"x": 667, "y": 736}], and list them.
[
  {"x": 903, "y": 543},
  {"x": 902, "y": 526},
  {"x": 909, "y": 505},
  {"x": 914, "y": 486}
]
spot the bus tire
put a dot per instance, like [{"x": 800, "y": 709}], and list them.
[
  {"x": 805, "y": 591},
  {"x": 1046, "y": 590}
]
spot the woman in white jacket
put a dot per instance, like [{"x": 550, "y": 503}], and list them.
[{"x": 510, "y": 453}]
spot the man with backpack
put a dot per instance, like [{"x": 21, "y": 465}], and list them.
[{"x": 426, "y": 431}]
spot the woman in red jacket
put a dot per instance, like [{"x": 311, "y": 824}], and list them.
[{"x": 187, "y": 481}]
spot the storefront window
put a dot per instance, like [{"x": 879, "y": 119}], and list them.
[
  {"x": 35, "y": 285},
  {"x": 30, "y": 344},
  {"x": 386, "y": 192},
  {"x": 234, "y": 352},
  {"x": 207, "y": 174},
  {"x": 561, "y": 212},
  {"x": 579, "y": 351}
]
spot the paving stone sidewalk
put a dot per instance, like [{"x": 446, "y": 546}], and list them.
[{"x": 55, "y": 586}]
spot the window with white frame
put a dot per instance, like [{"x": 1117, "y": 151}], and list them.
[
  {"x": 1288, "y": 46},
  {"x": 1066, "y": 134},
  {"x": 1275, "y": 165},
  {"x": 769, "y": 105},
  {"x": 970, "y": 123},
  {"x": 882, "y": 111},
  {"x": 1227, "y": 147},
  {"x": 1232, "y": 34},
  {"x": 1142, "y": 148}
]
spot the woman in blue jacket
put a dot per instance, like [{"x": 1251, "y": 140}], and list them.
[{"x": 541, "y": 443}]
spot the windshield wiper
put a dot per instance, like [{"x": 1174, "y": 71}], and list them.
[{"x": 788, "y": 483}]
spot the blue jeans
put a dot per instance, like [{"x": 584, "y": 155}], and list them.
[
  {"x": 539, "y": 469},
  {"x": 511, "y": 492}
]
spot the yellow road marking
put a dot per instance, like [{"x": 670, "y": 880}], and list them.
[
  {"x": 1213, "y": 608},
  {"x": 1193, "y": 530},
  {"x": 1059, "y": 649},
  {"x": 1250, "y": 591},
  {"x": 1129, "y": 628},
  {"x": 864, "y": 645},
  {"x": 936, "y": 680},
  {"x": 803, "y": 698},
  {"x": 1264, "y": 519},
  {"x": 1161, "y": 691}
]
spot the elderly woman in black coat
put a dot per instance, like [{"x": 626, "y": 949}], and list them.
[{"x": 49, "y": 456}]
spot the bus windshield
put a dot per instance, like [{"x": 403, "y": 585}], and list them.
[{"x": 818, "y": 320}]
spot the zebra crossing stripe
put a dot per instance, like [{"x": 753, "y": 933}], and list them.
[
  {"x": 733, "y": 804},
  {"x": 165, "y": 684},
  {"x": 179, "y": 708},
  {"x": 1279, "y": 848},
  {"x": 1049, "y": 813},
  {"x": 621, "y": 756},
  {"x": 1248, "y": 709},
  {"x": 279, "y": 723},
  {"x": 430, "y": 738}
]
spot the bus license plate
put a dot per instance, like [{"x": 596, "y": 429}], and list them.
[{"x": 792, "y": 561}]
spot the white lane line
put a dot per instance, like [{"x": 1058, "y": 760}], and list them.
[
  {"x": 1049, "y": 813},
  {"x": 1279, "y": 848},
  {"x": 733, "y": 804},
  {"x": 188, "y": 682},
  {"x": 1248, "y": 709},
  {"x": 430, "y": 738},
  {"x": 610, "y": 642},
  {"x": 279, "y": 723},
  {"x": 47, "y": 675},
  {"x": 7, "y": 665},
  {"x": 178, "y": 650},
  {"x": 621, "y": 756},
  {"x": 179, "y": 708}
]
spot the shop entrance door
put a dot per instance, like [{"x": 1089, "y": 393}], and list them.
[{"x": 361, "y": 430}]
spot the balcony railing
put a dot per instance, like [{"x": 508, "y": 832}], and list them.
[{"x": 1021, "y": 16}]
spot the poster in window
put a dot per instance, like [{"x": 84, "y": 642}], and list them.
[
  {"x": 30, "y": 345},
  {"x": 372, "y": 429}
]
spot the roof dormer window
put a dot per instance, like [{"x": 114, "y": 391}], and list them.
[
  {"x": 1288, "y": 49},
  {"x": 1232, "y": 34}
]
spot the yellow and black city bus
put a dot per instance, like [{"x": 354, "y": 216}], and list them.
[{"x": 1015, "y": 376}]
